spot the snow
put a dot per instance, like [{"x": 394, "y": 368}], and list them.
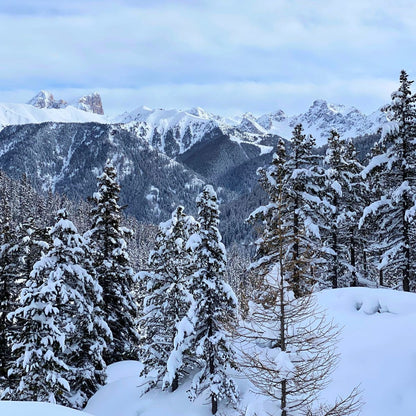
[
  {"x": 11, "y": 114},
  {"x": 321, "y": 118},
  {"x": 376, "y": 347},
  {"x": 36, "y": 409},
  {"x": 376, "y": 352}
]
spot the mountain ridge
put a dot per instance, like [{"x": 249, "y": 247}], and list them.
[{"x": 174, "y": 131}]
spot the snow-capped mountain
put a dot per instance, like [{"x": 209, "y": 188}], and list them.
[
  {"x": 170, "y": 131},
  {"x": 45, "y": 99},
  {"x": 91, "y": 103},
  {"x": 175, "y": 131},
  {"x": 321, "y": 118},
  {"x": 15, "y": 114}
]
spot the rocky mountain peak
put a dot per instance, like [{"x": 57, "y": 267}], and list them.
[
  {"x": 45, "y": 99},
  {"x": 266, "y": 120},
  {"x": 91, "y": 103}
]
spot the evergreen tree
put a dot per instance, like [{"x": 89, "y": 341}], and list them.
[
  {"x": 354, "y": 197},
  {"x": 215, "y": 304},
  {"x": 287, "y": 345},
  {"x": 298, "y": 178},
  {"x": 395, "y": 208},
  {"x": 369, "y": 224},
  {"x": 111, "y": 262},
  {"x": 342, "y": 201},
  {"x": 167, "y": 302},
  {"x": 59, "y": 349}
]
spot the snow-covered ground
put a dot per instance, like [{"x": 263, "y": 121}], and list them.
[
  {"x": 377, "y": 351},
  {"x": 36, "y": 409}
]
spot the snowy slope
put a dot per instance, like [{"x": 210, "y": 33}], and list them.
[
  {"x": 170, "y": 131},
  {"x": 175, "y": 131},
  {"x": 377, "y": 352},
  {"x": 11, "y": 114}
]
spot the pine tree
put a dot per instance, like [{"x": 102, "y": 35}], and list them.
[
  {"x": 396, "y": 207},
  {"x": 287, "y": 345},
  {"x": 354, "y": 197},
  {"x": 297, "y": 177},
  {"x": 167, "y": 302},
  {"x": 111, "y": 262},
  {"x": 343, "y": 203},
  {"x": 59, "y": 349},
  {"x": 215, "y": 304},
  {"x": 369, "y": 224}
]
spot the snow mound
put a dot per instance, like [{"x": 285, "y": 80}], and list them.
[
  {"x": 123, "y": 369},
  {"x": 37, "y": 409}
]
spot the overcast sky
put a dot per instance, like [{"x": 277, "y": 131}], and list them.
[{"x": 227, "y": 56}]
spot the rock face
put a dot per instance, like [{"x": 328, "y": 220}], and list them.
[
  {"x": 91, "y": 103},
  {"x": 45, "y": 99}
]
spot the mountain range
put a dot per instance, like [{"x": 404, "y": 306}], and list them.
[
  {"x": 175, "y": 131},
  {"x": 163, "y": 156}
]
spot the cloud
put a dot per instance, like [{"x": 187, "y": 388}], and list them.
[{"x": 180, "y": 50}]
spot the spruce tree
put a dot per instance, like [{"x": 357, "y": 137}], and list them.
[
  {"x": 297, "y": 176},
  {"x": 59, "y": 349},
  {"x": 286, "y": 344},
  {"x": 342, "y": 202},
  {"x": 111, "y": 262},
  {"x": 167, "y": 302},
  {"x": 395, "y": 209},
  {"x": 369, "y": 224},
  {"x": 214, "y": 305}
]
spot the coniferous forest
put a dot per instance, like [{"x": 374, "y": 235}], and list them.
[{"x": 83, "y": 285}]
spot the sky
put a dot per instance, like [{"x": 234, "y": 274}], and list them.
[{"x": 226, "y": 56}]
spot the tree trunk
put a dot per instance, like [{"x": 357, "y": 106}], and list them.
[
  {"x": 335, "y": 260},
  {"x": 175, "y": 383},
  {"x": 283, "y": 400},
  {"x": 352, "y": 257},
  {"x": 214, "y": 403}
]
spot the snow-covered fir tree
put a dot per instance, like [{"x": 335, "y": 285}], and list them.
[
  {"x": 342, "y": 202},
  {"x": 374, "y": 246},
  {"x": 168, "y": 299},
  {"x": 395, "y": 209},
  {"x": 297, "y": 177},
  {"x": 111, "y": 262},
  {"x": 214, "y": 305},
  {"x": 59, "y": 349},
  {"x": 286, "y": 344}
]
